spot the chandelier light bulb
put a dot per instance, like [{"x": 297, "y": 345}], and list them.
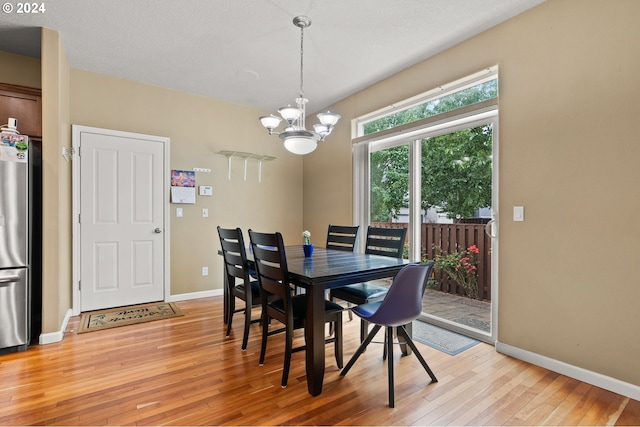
[
  {"x": 321, "y": 129},
  {"x": 330, "y": 119},
  {"x": 270, "y": 122},
  {"x": 290, "y": 114}
]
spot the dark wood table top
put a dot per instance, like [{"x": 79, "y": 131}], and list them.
[{"x": 333, "y": 268}]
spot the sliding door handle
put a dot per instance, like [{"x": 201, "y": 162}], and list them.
[{"x": 488, "y": 228}]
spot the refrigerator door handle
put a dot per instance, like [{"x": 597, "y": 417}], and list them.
[{"x": 4, "y": 281}]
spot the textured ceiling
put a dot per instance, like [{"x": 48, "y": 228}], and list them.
[{"x": 248, "y": 51}]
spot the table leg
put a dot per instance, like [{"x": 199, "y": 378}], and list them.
[{"x": 314, "y": 337}]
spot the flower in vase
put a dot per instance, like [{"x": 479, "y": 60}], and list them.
[{"x": 306, "y": 235}]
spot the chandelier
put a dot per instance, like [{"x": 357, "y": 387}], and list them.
[{"x": 297, "y": 139}]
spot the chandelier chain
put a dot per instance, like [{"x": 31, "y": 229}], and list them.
[{"x": 301, "y": 61}]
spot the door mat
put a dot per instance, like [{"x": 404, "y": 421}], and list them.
[
  {"x": 123, "y": 316},
  {"x": 441, "y": 339}
]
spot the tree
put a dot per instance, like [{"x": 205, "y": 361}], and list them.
[
  {"x": 389, "y": 182},
  {"x": 456, "y": 172}
]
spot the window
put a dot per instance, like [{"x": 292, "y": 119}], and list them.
[
  {"x": 449, "y": 102},
  {"x": 474, "y": 89}
]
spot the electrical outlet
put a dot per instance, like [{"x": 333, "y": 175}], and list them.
[{"x": 205, "y": 271}]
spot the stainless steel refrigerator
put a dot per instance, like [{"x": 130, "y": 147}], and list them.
[{"x": 15, "y": 249}]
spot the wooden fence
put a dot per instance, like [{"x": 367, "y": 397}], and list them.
[{"x": 451, "y": 238}]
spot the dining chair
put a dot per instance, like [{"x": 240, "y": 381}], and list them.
[
  {"x": 401, "y": 306},
  {"x": 278, "y": 302},
  {"x": 380, "y": 241},
  {"x": 236, "y": 268},
  {"x": 342, "y": 237}
]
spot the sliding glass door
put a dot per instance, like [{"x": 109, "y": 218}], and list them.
[
  {"x": 457, "y": 189},
  {"x": 441, "y": 187}
]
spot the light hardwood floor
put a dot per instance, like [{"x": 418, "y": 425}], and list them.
[{"x": 184, "y": 371}]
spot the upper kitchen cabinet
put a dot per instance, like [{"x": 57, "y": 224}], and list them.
[{"x": 24, "y": 104}]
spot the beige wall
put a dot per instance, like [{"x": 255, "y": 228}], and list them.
[
  {"x": 56, "y": 177},
  {"x": 569, "y": 150},
  {"x": 20, "y": 70},
  {"x": 199, "y": 127}
]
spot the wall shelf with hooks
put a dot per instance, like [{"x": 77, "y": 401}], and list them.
[{"x": 245, "y": 156}]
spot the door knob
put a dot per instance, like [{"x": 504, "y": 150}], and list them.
[{"x": 157, "y": 231}]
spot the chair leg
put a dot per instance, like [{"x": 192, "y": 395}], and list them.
[
  {"x": 403, "y": 346},
  {"x": 384, "y": 348},
  {"x": 287, "y": 355},
  {"x": 338, "y": 341},
  {"x": 265, "y": 334},
  {"x": 332, "y": 299},
  {"x": 364, "y": 329},
  {"x": 247, "y": 324},
  {"x": 389, "y": 340},
  {"x": 232, "y": 309},
  {"x": 360, "y": 349},
  {"x": 409, "y": 342},
  {"x": 406, "y": 350}
]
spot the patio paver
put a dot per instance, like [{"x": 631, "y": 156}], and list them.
[{"x": 465, "y": 311}]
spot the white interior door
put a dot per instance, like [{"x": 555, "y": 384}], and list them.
[{"x": 121, "y": 218}]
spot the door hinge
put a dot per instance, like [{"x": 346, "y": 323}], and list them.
[
  {"x": 79, "y": 222},
  {"x": 79, "y": 285}
]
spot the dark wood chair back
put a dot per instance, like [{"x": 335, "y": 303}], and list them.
[
  {"x": 385, "y": 241},
  {"x": 342, "y": 237},
  {"x": 236, "y": 267},
  {"x": 271, "y": 266},
  {"x": 234, "y": 254}
]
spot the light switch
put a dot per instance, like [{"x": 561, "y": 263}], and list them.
[
  {"x": 179, "y": 212},
  {"x": 206, "y": 190},
  {"x": 205, "y": 213},
  {"x": 518, "y": 213}
]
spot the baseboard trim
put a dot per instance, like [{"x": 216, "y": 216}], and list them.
[
  {"x": 608, "y": 383},
  {"x": 51, "y": 337},
  {"x": 194, "y": 295}
]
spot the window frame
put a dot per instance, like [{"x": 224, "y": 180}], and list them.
[{"x": 490, "y": 73}]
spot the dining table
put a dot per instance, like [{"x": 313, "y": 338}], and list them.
[
  {"x": 323, "y": 270},
  {"x": 326, "y": 269}
]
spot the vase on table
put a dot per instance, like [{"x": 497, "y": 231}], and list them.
[{"x": 308, "y": 250}]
